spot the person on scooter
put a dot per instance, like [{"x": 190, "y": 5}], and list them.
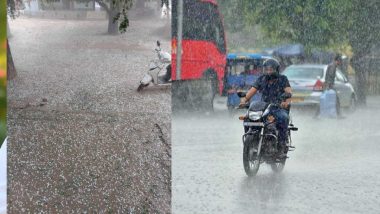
[{"x": 273, "y": 86}]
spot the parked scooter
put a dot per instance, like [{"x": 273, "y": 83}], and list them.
[{"x": 155, "y": 74}]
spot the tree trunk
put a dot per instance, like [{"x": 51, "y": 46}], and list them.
[
  {"x": 360, "y": 79},
  {"x": 66, "y": 4},
  {"x": 140, "y": 4},
  {"x": 11, "y": 70},
  {"x": 113, "y": 26}
]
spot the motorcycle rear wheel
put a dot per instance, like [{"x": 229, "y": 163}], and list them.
[
  {"x": 250, "y": 160},
  {"x": 141, "y": 86},
  {"x": 278, "y": 167}
]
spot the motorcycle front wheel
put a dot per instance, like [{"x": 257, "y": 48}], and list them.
[{"x": 251, "y": 161}]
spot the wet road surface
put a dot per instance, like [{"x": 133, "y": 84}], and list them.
[
  {"x": 3, "y": 178},
  {"x": 334, "y": 169},
  {"x": 81, "y": 139}
]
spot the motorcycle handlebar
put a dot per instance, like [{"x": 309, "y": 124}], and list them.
[{"x": 245, "y": 106}]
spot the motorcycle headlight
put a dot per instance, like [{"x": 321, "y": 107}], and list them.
[{"x": 255, "y": 115}]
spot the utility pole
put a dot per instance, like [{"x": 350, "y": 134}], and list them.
[{"x": 179, "y": 39}]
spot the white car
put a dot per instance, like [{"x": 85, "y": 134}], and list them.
[{"x": 307, "y": 80}]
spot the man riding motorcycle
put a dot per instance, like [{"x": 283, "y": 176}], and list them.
[{"x": 273, "y": 85}]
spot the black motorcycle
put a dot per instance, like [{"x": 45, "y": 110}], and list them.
[{"x": 261, "y": 137}]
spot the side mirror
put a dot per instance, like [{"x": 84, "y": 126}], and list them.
[
  {"x": 158, "y": 43},
  {"x": 241, "y": 94}
]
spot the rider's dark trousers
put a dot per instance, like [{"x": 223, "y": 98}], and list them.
[{"x": 282, "y": 122}]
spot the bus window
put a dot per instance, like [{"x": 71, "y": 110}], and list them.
[
  {"x": 219, "y": 34},
  {"x": 201, "y": 21}
]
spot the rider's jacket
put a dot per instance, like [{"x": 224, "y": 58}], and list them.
[{"x": 271, "y": 90}]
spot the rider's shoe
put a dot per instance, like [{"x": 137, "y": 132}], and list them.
[{"x": 281, "y": 150}]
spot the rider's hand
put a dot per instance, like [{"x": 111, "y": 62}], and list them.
[
  {"x": 243, "y": 102},
  {"x": 284, "y": 104}
]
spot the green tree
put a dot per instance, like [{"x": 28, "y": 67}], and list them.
[
  {"x": 363, "y": 34},
  {"x": 314, "y": 23},
  {"x": 12, "y": 7},
  {"x": 233, "y": 17},
  {"x": 117, "y": 12},
  {"x": 323, "y": 24}
]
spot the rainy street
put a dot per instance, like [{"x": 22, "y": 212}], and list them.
[
  {"x": 334, "y": 168},
  {"x": 80, "y": 135}
]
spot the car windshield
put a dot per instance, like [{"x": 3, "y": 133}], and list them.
[
  {"x": 236, "y": 69},
  {"x": 303, "y": 73},
  {"x": 241, "y": 69},
  {"x": 243, "y": 66}
]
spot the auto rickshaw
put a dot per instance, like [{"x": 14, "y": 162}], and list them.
[{"x": 242, "y": 70}]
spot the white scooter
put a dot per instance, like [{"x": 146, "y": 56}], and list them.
[{"x": 159, "y": 70}]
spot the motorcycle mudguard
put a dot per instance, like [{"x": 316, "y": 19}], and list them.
[{"x": 146, "y": 79}]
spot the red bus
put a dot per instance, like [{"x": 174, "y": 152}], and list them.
[{"x": 203, "y": 42}]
